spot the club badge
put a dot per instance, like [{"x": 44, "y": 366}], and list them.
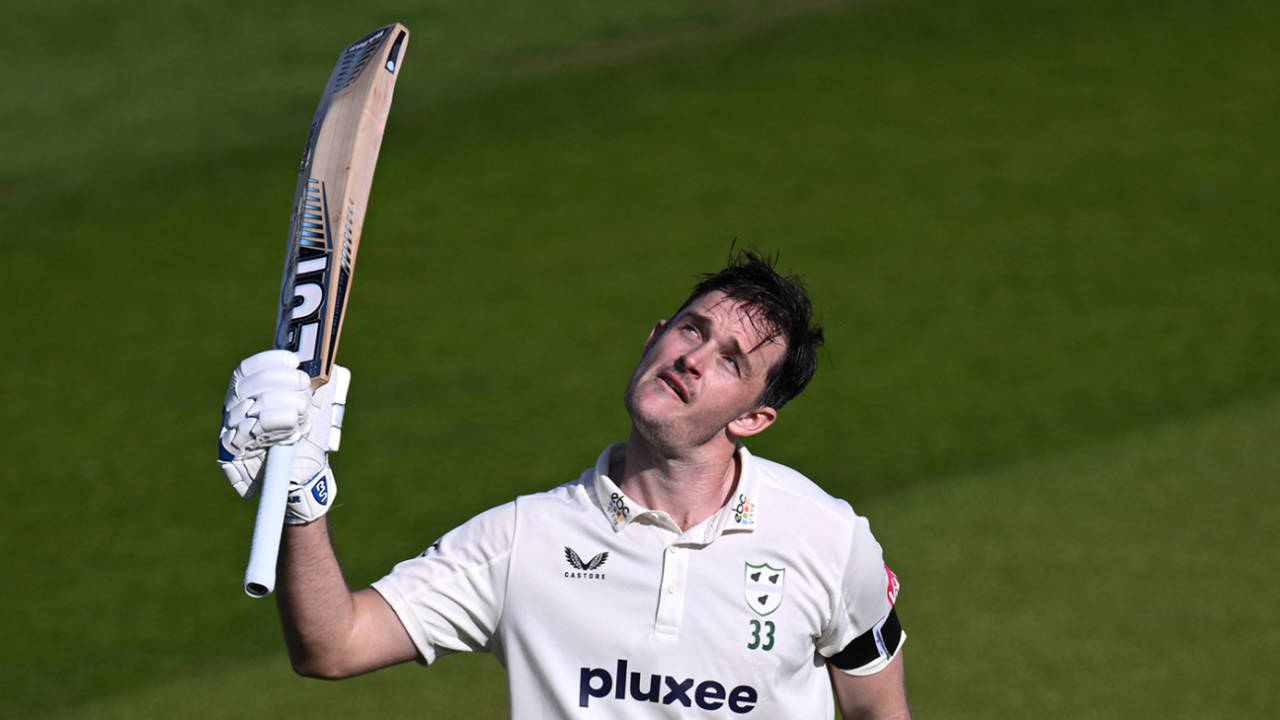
[{"x": 763, "y": 587}]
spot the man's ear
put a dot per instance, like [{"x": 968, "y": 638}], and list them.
[
  {"x": 654, "y": 334},
  {"x": 752, "y": 422}
]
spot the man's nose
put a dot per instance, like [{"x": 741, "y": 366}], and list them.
[{"x": 691, "y": 361}]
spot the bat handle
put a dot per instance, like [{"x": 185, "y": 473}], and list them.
[{"x": 260, "y": 575}]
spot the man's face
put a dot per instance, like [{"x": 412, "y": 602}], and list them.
[{"x": 703, "y": 372}]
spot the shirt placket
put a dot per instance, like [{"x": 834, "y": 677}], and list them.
[{"x": 673, "y": 590}]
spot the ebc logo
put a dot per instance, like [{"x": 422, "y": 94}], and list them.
[{"x": 665, "y": 689}]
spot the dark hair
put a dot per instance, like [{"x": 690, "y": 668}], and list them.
[{"x": 781, "y": 304}]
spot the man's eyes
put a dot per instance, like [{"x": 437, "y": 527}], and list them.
[{"x": 693, "y": 332}]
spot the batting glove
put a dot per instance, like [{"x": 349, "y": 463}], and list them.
[{"x": 270, "y": 402}]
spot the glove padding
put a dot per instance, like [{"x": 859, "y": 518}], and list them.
[{"x": 270, "y": 402}]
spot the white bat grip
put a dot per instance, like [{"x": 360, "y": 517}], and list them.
[{"x": 260, "y": 576}]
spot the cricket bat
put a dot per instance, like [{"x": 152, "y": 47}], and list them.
[{"x": 329, "y": 206}]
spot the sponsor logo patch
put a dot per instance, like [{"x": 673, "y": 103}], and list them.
[
  {"x": 894, "y": 586},
  {"x": 618, "y": 508},
  {"x": 320, "y": 491},
  {"x": 584, "y": 568},
  {"x": 709, "y": 695},
  {"x": 744, "y": 513}
]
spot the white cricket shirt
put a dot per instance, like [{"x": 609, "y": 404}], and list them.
[{"x": 599, "y": 607}]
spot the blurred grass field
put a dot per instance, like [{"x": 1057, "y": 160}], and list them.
[{"x": 1041, "y": 235}]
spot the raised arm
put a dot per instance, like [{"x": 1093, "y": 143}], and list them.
[{"x": 330, "y": 631}]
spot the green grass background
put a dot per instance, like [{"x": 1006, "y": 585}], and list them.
[{"x": 1041, "y": 236}]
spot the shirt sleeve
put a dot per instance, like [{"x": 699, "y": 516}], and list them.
[
  {"x": 450, "y": 598},
  {"x": 864, "y": 634}
]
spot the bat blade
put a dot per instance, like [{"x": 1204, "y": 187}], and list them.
[{"x": 334, "y": 181}]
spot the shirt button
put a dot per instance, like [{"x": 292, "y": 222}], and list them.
[{"x": 671, "y": 589}]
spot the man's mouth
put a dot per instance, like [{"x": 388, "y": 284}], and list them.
[{"x": 676, "y": 386}]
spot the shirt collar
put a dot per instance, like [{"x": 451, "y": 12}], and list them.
[
  {"x": 615, "y": 505},
  {"x": 741, "y": 513}
]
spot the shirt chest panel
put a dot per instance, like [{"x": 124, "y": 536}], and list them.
[{"x": 739, "y": 605}]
